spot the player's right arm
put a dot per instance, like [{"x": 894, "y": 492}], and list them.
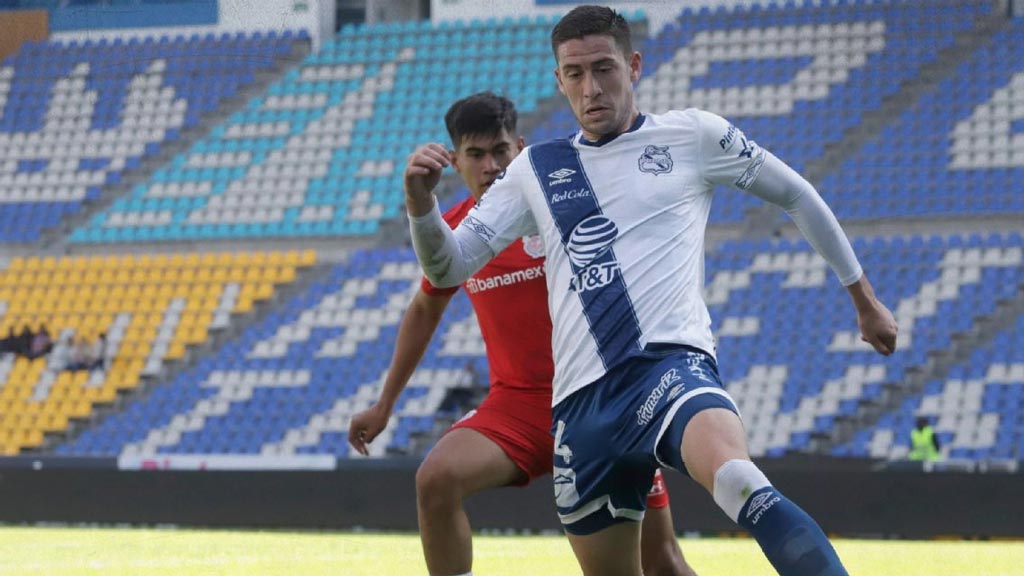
[
  {"x": 418, "y": 325},
  {"x": 449, "y": 257}
]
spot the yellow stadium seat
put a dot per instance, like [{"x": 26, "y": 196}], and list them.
[
  {"x": 176, "y": 351},
  {"x": 32, "y": 438},
  {"x": 264, "y": 291},
  {"x": 219, "y": 275},
  {"x": 54, "y": 422},
  {"x": 243, "y": 304},
  {"x": 196, "y": 335},
  {"x": 80, "y": 409},
  {"x": 204, "y": 275},
  {"x": 162, "y": 261}
]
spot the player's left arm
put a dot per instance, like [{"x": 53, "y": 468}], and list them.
[
  {"x": 747, "y": 166},
  {"x": 781, "y": 185}
]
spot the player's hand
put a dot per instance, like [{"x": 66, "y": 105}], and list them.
[
  {"x": 423, "y": 169},
  {"x": 878, "y": 328},
  {"x": 366, "y": 426},
  {"x": 877, "y": 325}
]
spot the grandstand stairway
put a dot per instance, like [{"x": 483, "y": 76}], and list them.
[
  {"x": 765, "y": 218},
  {"x": 55, "y": 238},
  {"x": 982, "y": 332}
]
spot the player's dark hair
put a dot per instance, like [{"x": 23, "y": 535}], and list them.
[
  {"x": 592, "y": 21},
  {"x": 482, "y": 114}
]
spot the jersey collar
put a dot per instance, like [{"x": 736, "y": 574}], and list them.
[{"x": 609, "y": 137}]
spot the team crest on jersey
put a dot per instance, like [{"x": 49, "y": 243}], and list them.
[
  {"x": 655, "y": 160},
  {"x": 533, "y": 246}
]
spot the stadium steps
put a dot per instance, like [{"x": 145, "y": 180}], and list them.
[
  {"x": 983, "y": 331},
  {"x": 54, "y": 239},
  {"x": 209, "y": 348},
  {"x": 764, "y": 219}
]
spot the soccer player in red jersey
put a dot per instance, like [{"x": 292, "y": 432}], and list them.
[{"x": 507, "y": 440}]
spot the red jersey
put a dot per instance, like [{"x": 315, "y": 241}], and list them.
[{"x": 510, "y": 298}]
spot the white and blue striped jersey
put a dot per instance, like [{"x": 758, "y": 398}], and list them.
[{"x": 622, "y": 221}]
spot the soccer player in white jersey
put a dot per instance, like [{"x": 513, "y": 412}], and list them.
[
  {"x": 507, "y": 439},
  {"x": 621, "y": 208}
]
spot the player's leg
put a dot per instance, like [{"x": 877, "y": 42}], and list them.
[
  {"x": 462, "y": 463},
  {"x": 714, "y": 451},
  {"x": 660, "y": 554},
  {"x": 612, "y": 551}
]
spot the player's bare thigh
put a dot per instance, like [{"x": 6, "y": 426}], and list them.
[
  {"x": 471, "y": 461},
  {"x": 712, "y": 438},
  {"x": 613, "y": 551}
]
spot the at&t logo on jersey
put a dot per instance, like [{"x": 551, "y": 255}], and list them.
[{"x": 590, "y": 240}]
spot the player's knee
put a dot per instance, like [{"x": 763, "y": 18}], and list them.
[
  {"x": 734, "y": 482},
  {"x": 437, "y": 481}
]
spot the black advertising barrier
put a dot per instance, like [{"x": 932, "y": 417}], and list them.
[{"x": 847, "y": 497}]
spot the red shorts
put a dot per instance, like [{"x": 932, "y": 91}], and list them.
[
  {"x": 658, "y": 496},
  {"x": 519, "y": 422}
]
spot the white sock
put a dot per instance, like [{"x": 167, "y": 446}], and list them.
[{"x": 735, "y": 481}]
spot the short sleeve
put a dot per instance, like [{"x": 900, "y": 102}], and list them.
[{"x": 728, "y": 156}]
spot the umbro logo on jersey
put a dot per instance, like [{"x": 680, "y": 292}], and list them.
[
  {"x": 560, "y": 176},
  {"x": 485, "y": 232}
]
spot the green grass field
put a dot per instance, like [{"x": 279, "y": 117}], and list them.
[{"x": 111, "y": 551}]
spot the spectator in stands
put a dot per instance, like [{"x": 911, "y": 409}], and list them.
[
  {"x": 60, "y": 356},
  {"x": 23, "y": 343},
  {"x": 41, "y": 343},
  {"x": 621, "y": 208},
  {"x": 924, "y": 443},
  {"x": 98, "y": 353},
  {"x": 81, "y": 354},
  {"x": 9, "y": 342}
]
